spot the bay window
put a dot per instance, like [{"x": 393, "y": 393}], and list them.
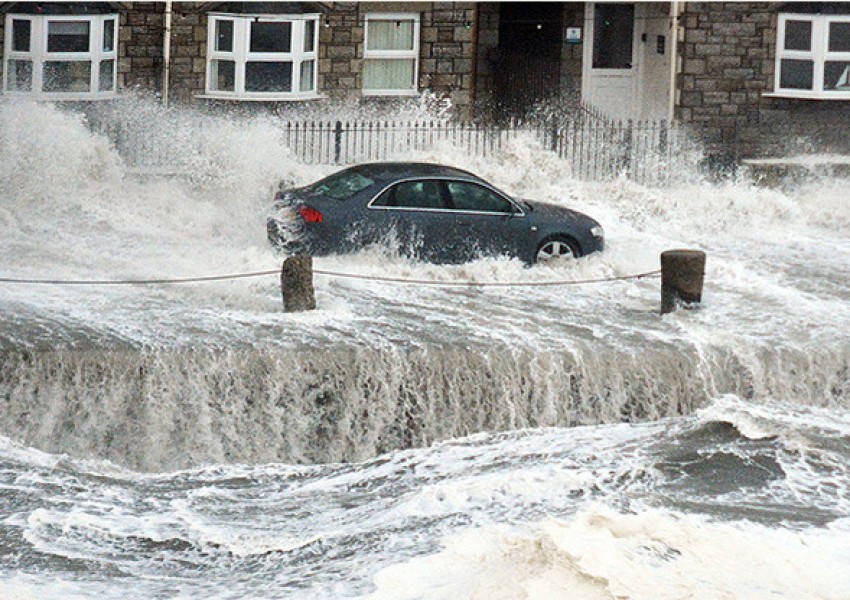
[
  {"x": 262, "y": 57},
  {"x": 63, "y": 57},
  {"x": 391, "y": 54},
  {"x": 813, "y": 56}
]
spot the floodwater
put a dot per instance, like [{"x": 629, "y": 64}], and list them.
[{"x": 412, "y": 441}]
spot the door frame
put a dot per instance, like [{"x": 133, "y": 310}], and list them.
[{"x": 590, "y": 75}]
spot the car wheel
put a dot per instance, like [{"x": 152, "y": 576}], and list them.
[{"x": 556, "y": 248}]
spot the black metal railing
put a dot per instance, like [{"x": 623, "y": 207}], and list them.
[{"x": 591, "y": 148}]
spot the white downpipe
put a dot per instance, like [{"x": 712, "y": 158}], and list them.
[
  {"x": 674, "y": 58},
  {"x": 166, "y": 54}
]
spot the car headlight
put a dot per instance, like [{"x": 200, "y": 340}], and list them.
[{"x": 597, "y": 231}]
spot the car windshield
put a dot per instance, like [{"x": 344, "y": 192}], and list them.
[{"x": 340, "y": 186}]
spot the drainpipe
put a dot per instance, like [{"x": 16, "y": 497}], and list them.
[
  {"x": 473, "y": 76},
  {"x": 674, "y": 58},
  {"x": 166, "y": 54}
]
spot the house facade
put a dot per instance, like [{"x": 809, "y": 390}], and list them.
[{"x": 751, "y": 71}]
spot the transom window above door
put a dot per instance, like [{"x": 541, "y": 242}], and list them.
[
  {"x": 62, "y": 57},
  {"x": 262, "y": 57}
]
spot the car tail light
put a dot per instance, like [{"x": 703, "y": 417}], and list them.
[{"x": 310, "y": 214}]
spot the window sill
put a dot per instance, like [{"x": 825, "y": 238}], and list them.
[
  {"x": 804, "y": 95},
  {"x": 391, "y": 93},
  {"x": 260, "y": 97}
]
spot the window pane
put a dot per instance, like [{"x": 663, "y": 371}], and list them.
[
  {"x": 341, "y": 185},
  {"x": 107, "y": 76},
  {"x": 21, "y": 35},
  {"x": 20, "y": 75},
  {"x": 67, "y": 76},
  {"x": 836, "y": 76},
  {"x": 390, "y": 35},
  {"x": 798, "y": 35},
  {"x": 109, "y": 35},
  {"x": 268, "y": 77},
  {"x": 68, "y": 36},
  {"x": 468, "y": 196},
  {"x": 307, "y": 70},
  {"x": 223, "y": 35},
  {"x": 388, "y": 74},
  {"x": 796, "y": 74},
  {"x": 309, "y": 36},
  {"x": 418, "y": 194},
  {"x": 613, "y": 36},
  {"x": 839, "y": 37},
  {"x": 222, "y": 75},
  {"x": 271, "y": 37}
]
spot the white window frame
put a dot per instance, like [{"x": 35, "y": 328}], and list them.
[
  {"x": 38, "y": 55},
  {"x": 819, "y": 54},
  {"x": 241, "y": 55},
  {"x": 394, "y": 54}
]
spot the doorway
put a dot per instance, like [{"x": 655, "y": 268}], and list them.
[
  {"x": 627, "y": 59},
  {"x": 527, "y": 68}
]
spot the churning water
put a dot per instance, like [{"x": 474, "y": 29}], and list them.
[{"x": 406, "y": 441}]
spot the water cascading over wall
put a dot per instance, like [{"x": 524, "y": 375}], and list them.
[{"x": 171, "y": 409}]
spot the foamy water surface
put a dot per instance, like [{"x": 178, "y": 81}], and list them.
[{"x": 411, "y": 441}]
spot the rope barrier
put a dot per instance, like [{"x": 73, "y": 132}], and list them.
[
  {"x": 138, "y": 281},
  {"x": 487, "y": 283},
  {"x": 181, "y": 280}
]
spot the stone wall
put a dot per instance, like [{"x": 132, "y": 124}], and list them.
[
  {"x": 445, "y": 64},
  {"x": 445, "y": 61},
  {"x": 188, "y": 51},
  {"x": 447, "y": 52},
  {"x": 140, "y": 41},
  {"x": 445, "y": 49},
  {"x": 728, "y": 57},
  {"x": 340, "y": 49}
]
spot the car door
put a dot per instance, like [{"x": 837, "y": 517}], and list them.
[
  {"x": 488, "y": 222},
  {"x": 420, "y": 218}
]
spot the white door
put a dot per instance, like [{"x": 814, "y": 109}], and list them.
[{"x": 610, "y": 61}]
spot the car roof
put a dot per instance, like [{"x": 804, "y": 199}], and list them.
[{"x": 390, "y": 171}]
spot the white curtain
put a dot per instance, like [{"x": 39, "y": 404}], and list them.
[
  {"x": 390, "y": 35},
  {"x": 388, "y": 74}
]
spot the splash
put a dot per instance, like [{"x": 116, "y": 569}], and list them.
[
  {"x": 653, "y": 554},
  {"x": 773, "y": 321}
]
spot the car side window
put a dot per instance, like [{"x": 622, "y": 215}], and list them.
[
  {"x": 412, "y": 194},
  {"x": 474, "y": 197}
]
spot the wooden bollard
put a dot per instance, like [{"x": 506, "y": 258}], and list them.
[
  {"x": 682, "y": 274},
  {"x": 296, "y": 284}
]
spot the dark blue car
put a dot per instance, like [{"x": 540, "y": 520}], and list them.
[{"x": 431, "y": 212}]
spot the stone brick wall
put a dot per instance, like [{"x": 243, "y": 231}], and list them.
[
  {"x": 728, "y": 57},
  {"x": 140, "y": 41},
  {"x": 188, "y": 51},
  {"x": 445, "y": 64},
  {"x": 727, "y": 62},
  {"x": 445, "y": 49},
  {"x": 340, "y": 48}
]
